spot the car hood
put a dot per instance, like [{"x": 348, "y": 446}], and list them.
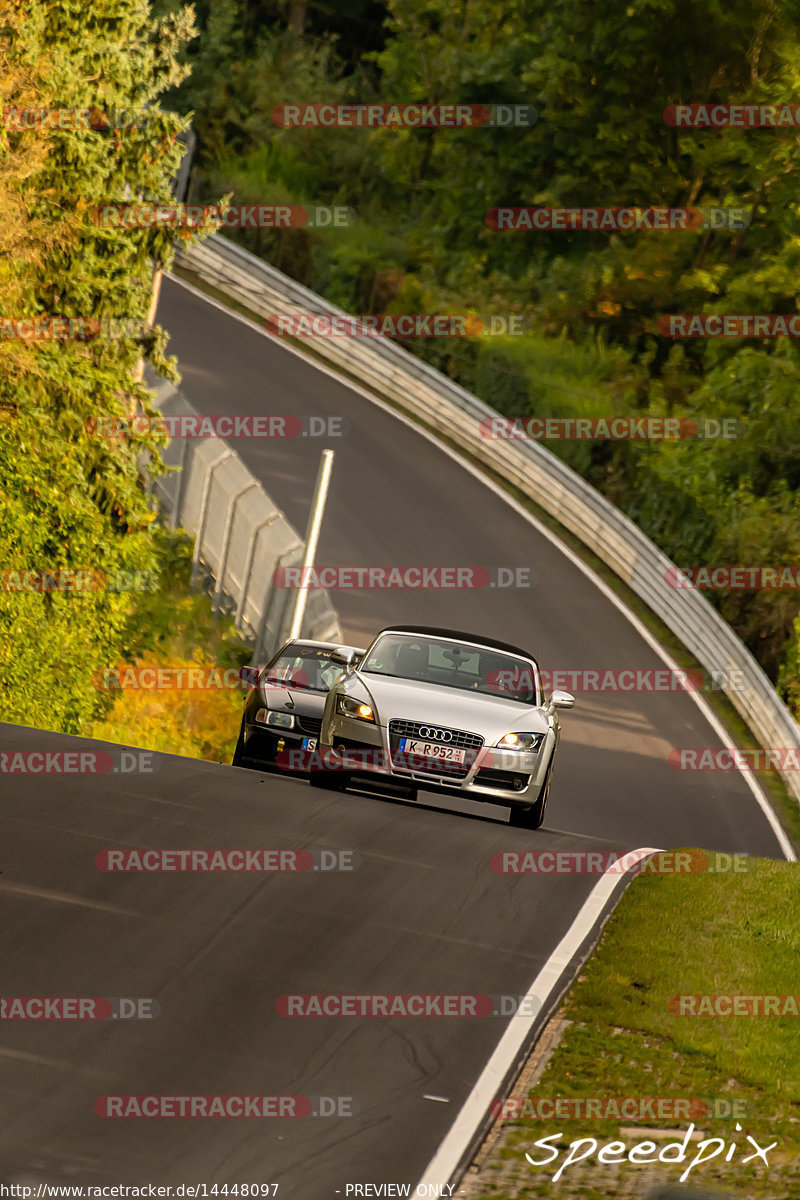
[
  {"x": 408, "y": 699},
  {"x": 304, "y": 703}
]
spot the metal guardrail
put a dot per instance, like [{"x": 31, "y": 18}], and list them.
[
  {"x": 242, "y": 537},
  {"x": 391, "y": 371}
]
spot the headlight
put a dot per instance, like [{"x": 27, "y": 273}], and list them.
[
  {"x": 347, "y": 707},
  {"x": 282, "y": 720},
  {"x": 521, "y": 741}
]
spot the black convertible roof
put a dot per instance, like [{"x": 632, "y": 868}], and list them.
[{"x": 458, "y": 636}]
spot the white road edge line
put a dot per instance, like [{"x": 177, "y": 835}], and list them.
[
  {"x": 451, "y": 1151},
  {"x": 705, "y": 708}
]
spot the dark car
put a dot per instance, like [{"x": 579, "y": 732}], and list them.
[{"x": 283, "y": 707}]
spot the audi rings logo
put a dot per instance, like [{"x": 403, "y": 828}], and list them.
[{"x": 436, "y": 735}]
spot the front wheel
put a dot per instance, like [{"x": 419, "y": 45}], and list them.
[
  {"x": 236, "y": 761},
  {"x": 533, "y": 817}
]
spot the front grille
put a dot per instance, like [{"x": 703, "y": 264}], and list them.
[
  {"x": 460, "y": 738},
  {"x": 310, "y": 725},
  {"x": 471, "y": 742}
]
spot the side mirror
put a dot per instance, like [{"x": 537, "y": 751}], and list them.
[
  {"x": 344, "y": 658},
  {"x": 561, "y": 700},
  {"x": 249, "y": 675}
]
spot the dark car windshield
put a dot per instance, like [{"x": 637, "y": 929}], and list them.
[
  {"x": 453, "y": 664},
  {"x": 308, "y": 668}
]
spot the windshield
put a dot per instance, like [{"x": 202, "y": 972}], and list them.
[
  {"x": 454, "y": 664},
  {"x": 308, "y": 668}
]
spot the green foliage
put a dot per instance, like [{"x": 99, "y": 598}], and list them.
[
  {"x": 600, "y": 80},
  {"x": 172, "y": 627},
  {"x": 71, "y": 498}
]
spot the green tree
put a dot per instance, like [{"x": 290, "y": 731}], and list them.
[{"x": 72, "y": 498}]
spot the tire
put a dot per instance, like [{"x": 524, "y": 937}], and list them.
[
  {"x": 236, "y": 761},
  {"x": 533, "y": 817},
  {"x": 332, "y": 781}
]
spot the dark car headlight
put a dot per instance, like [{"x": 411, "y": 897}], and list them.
[
  {"x": 347, "y": 707},
  {"x": 521, "y": 741},
  {"x": 279, "y": 720}
]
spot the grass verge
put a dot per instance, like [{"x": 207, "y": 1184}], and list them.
[{"x": 673, "y": 935}]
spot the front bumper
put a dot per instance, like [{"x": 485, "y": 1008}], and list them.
[
  {"x": 496, "y": 776},
  {"x": 280, "y": 749}
]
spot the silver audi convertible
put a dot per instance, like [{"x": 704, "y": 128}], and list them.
[{"x": 445, "y": 711}]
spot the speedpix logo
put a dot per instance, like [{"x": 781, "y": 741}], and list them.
[{"x": 647, "y": 1151}]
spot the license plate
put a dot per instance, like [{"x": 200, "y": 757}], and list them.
[
  {"x": 450, "y": 754},
  {"x": 308, "y": 744}
]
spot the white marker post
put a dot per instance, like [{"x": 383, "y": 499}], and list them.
[{"x": 312, "y": 538}]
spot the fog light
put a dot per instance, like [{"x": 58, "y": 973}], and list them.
[{"x": 519, "y": 783}]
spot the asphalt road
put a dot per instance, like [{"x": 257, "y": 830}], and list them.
[
  {"x": 396, "y": 498},
  {"x": 422, "y": 912}
]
